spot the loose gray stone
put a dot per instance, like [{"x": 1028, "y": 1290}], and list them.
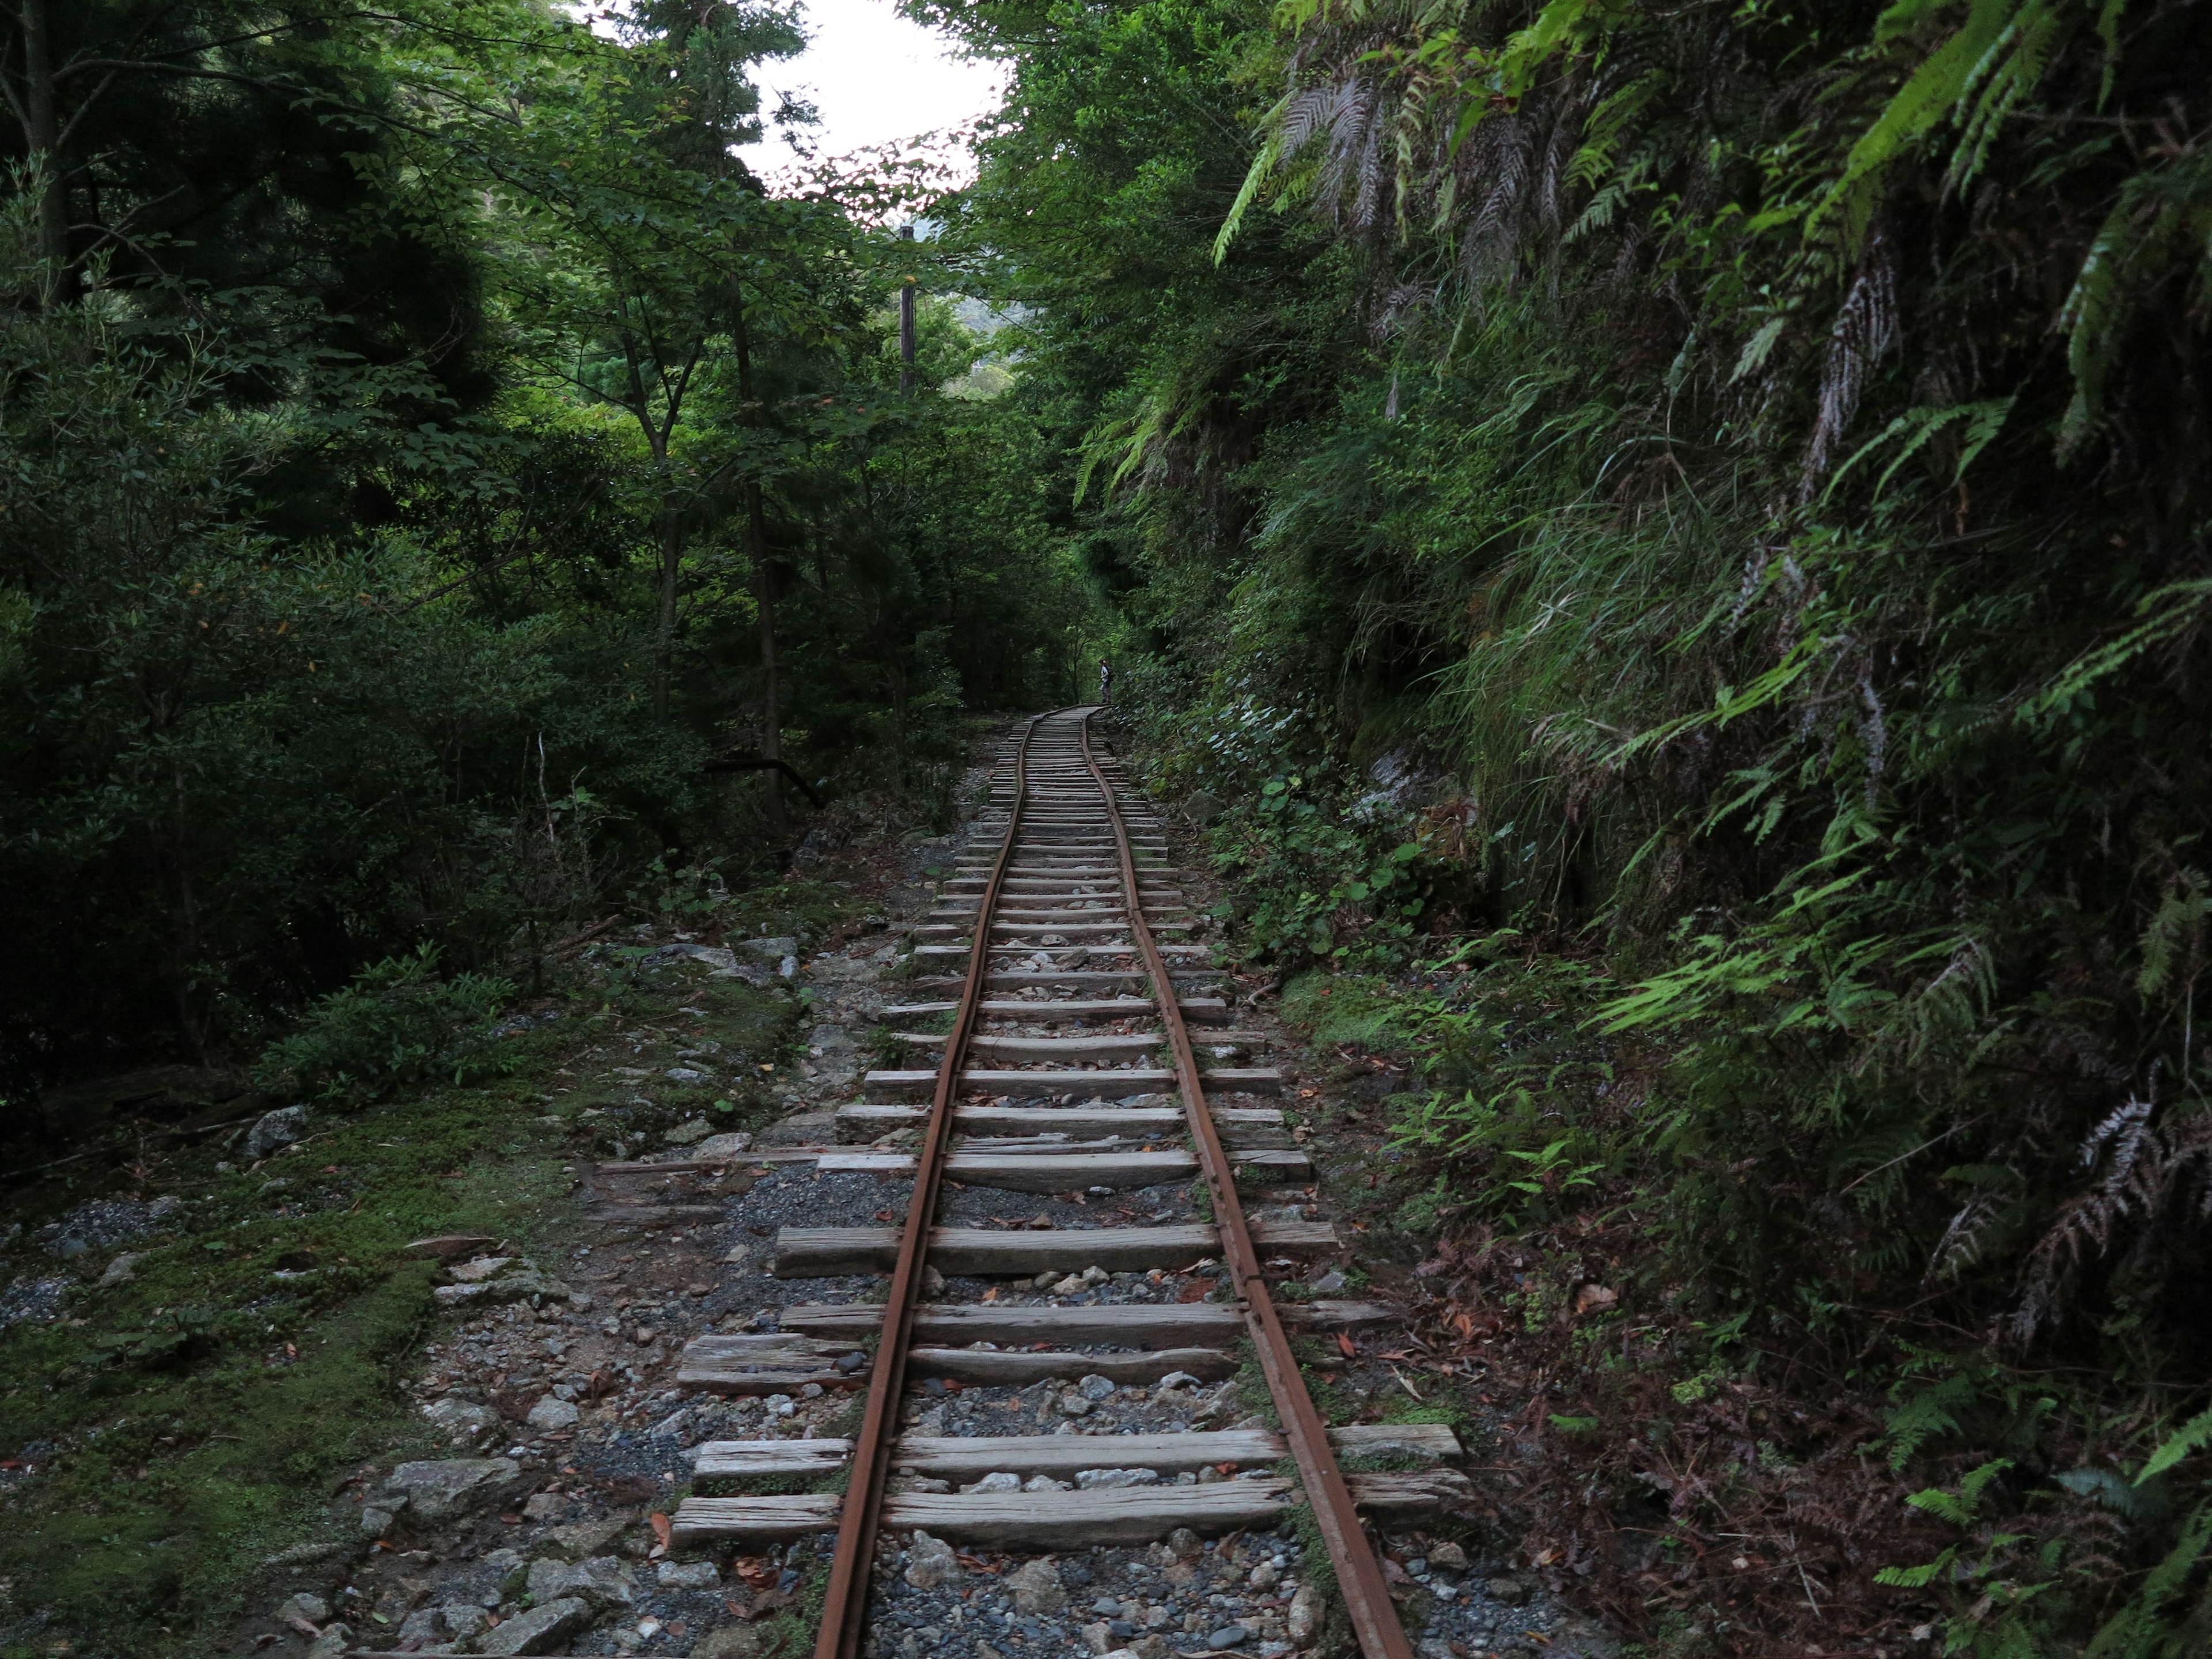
[
  {"x": 460, "y": 1418},
  {"x": 1448, "y": 1556},
  {"x": 122, "y": 1270},
  {"x": 1332, "y": 1283},
  {"x": 1184, "y": 1542},
  {"x": 1304, "y": 1621},
  {"x": 1095, "y": 1386},
  {"x": 313, "y": 1608},
  {"x": 1036, "y": 1586},
  {"x": 582, "y": 1539},
  {"x": 455, "y": 1622},
  {"x": 1507, "y": 1592},
  {"x": 375, "y": 1521},
  {"x": 537, "y": 1630},
  {"x": 1072, "y": 1403},
  {"x": 998, "y": 1480},
  {"x": 931, "y": 1563},
  {"x": 331, "y": 1643},
  {"x": 1228, "y": 1636},
  {"x": 731, "y": 1146},
  {"x": 601, "y": 1582},
  {"x": 273, "y": 1129},
  {"x": 769, "y": 950},
  {"x": 550, "y": 1414},
  {"x": 689, "y": 1575}
]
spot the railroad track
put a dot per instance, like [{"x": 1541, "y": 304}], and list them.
[{"x": 1060, "y": 1024}]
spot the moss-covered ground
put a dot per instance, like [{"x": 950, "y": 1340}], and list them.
[{"x": 165, "y": 1436}]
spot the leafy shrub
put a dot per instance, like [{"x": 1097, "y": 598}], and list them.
[{"x": 395, "y": 1026}]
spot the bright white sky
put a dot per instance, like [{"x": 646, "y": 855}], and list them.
[{"x": 876, "y": 79}]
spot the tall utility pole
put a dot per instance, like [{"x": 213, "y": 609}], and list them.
[{"x": 906, "y": 323}]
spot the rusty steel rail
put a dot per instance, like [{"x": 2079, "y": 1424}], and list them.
[
  {"x": 845, "y": 1608},
  {"x": 1358, "y": 1575}
]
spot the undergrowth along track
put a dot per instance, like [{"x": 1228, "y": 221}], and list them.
[{"x": 1060, "y": 900}]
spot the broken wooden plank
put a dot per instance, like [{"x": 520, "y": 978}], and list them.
[
  {"x": 1432, "y": 1443},
  {"x": 778, "y": 1362},
  {"x": 757, "y": 1520},
  {"x": 1129, "y": 1515},
  {"x": 824, "y": 1252},
  {"x": 1019, "y": 1367},
  {"x": 1411, "y": 1496},
  {"x": 1062, "y": 1455},
  {"x": 1128, "y": 1325},
  {"x": 736, "y": 1459},
  {"x": 1240, "y": 1126},
  {"x": 1059, "y": 1171},
  {"x": 1223, "y": 1080},
  {"x": 1142, "y": 1325}
]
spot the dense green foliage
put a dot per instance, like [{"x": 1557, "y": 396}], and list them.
[
  {"x": 1720, "y": 490},
  {"x": 439, "y": 480}
]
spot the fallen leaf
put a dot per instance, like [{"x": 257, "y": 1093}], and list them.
[
  {"x": 1196, "y": 1291},
  {"x": 1346, "y": 1345},
  {"x": 1595, "y": 1296},
  {"x": 662, "y": 1527}
]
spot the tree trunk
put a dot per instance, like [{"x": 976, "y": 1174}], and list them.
[
  {"x": 771, "y": 742},
  {"x": 771, "y": 737},
  {"x": 671, "y": 561},
  {"x": 41, "y": 135}
]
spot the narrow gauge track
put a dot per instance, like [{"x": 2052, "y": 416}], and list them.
[{"x": 1060, "y": 901}]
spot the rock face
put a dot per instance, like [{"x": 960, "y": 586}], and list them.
[
  {"x": 273, "y": 1129},
  {"x": 931, "y": 1563},
  {"x": 1036, "y": 1586},
  {"x": 537, "y": 1630},
  {"x": 434, "y": 1490}
]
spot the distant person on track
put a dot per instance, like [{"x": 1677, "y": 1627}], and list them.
[{"x": 1105, "y": 681}]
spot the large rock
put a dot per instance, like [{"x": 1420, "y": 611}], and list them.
[
  {"x": 273, "y": 1129},
  {"x": 715, "y": 1148},
  {"x": 537, "y": 1630},
  {"x": 433, "y": 1491},
  {"x": 1036, "y": 1586},
  {"x": 931, "y": 1563},
  {"x": 601, "y": 1582}
]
